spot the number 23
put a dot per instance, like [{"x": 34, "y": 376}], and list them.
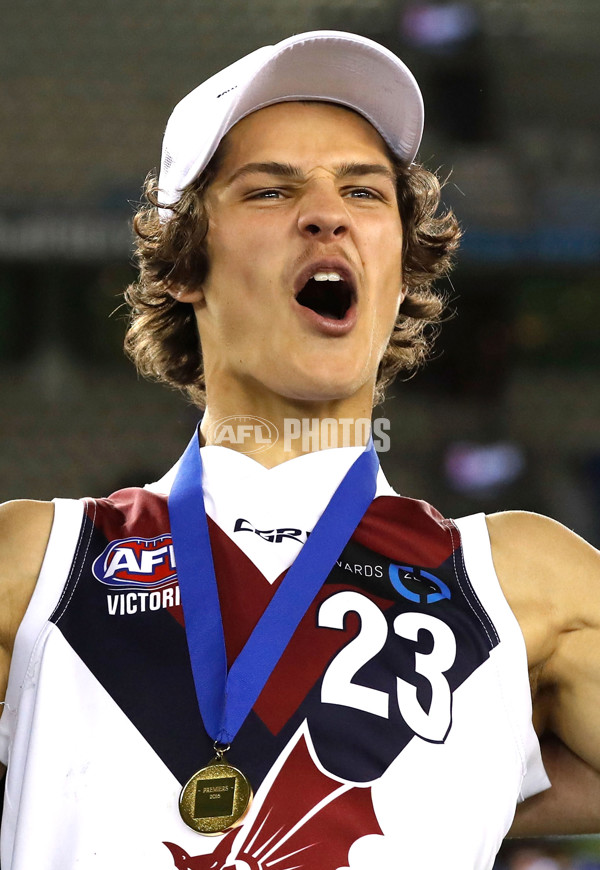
[{"x": 338, "y": 687}]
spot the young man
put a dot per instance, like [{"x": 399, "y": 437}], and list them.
[{"x": 376, "y": 696}]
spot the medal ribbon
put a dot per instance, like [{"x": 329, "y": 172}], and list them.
[{"x": 225, "y": 699}]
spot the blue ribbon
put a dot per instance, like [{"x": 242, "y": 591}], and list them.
[{"x": 225, "y": 699}]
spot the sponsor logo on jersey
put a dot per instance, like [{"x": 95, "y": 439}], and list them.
[
  {"x": 273, "y": 536},
  {"x": 417, "y": 584},
  {"x": 137, "y": 563},
  {"x": 361, "y": 569}
]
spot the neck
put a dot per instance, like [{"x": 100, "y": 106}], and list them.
[{"x": 276, "y": 429}]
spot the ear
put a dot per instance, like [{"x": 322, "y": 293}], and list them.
[{"x": 193, "y": 295}]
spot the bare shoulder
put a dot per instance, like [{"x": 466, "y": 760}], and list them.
[
  {"x": 526, "y": 531},
  {"x": 24, "y": 531},
  {"x": 542, "y": 548},
  {"x": 549, "y": 574}
]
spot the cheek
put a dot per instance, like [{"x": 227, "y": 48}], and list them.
[
  {"x": 391, "y": 291},
  {"x": 384, "y": 243},
  {"x": 389, "y": 300},
  {"x": 387, "y": 321},
  {"x": 238, "y": 253}
]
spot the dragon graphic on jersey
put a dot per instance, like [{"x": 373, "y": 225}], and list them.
[{"x": 315, "y": 839}]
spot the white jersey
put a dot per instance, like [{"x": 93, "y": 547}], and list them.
[{"x": 394, "y": 732}]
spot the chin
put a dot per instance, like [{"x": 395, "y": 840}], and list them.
[{"x": 323, "y": 388}]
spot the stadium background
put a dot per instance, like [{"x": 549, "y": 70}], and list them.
[{"x": 507, "y": 414}]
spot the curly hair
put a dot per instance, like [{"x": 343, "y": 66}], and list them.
[{"x": 162, "y": 339}]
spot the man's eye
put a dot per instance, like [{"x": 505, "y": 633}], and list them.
[
  {"x": 363, "y": 193},
  {"x": 266, "y": 193}
]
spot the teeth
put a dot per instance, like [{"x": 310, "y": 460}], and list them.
[{"x": 327, "y": 276}]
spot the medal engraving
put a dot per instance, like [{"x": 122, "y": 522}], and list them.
[{"x": 215, "y": 799}]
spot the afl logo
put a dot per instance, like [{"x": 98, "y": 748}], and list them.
[
  {"x": 142, "y": 563},
  {"x": 249, "y": 434}
]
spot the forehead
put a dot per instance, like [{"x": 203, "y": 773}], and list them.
[{"x": 305, "y": 134}]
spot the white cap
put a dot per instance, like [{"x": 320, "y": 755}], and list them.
[{"x": 327, "y": 65}]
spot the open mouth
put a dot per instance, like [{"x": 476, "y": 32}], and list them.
[{"x": 328, "y": 297}]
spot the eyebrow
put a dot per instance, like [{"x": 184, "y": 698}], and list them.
[{"x": 294, "y": 173}]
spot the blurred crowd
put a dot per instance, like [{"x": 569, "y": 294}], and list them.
[{"x": 548, "y": 855}]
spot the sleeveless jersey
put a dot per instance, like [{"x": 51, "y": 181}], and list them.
[{"x": 394, "y": 732}]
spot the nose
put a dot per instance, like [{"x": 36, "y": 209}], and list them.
[{"x": 323, "y": 215}]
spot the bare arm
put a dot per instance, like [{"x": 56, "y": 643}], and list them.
[
  {"x": 571, "y": 806},
  {"x": 551, "y": 579},
  {"x": 24, "y": 532}
]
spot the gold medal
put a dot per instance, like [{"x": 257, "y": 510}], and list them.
[{"x": 216, "y": 798}]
